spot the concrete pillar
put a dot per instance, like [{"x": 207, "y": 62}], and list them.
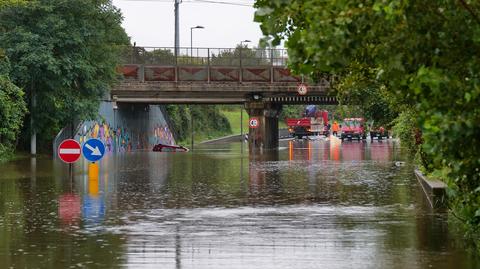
[
  {"x": 141, "y": 73},
  {"x": 265, "y": 136}
]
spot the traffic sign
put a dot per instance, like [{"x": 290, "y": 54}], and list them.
[
  {"x": 253, "y": 123},
  {"x": 93, "y": 149},
  {"x": 302, "y": 89},
  {"x": 69, "y": 151}
]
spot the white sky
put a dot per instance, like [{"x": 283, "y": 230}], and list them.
[{"x": 151, "y": 23}]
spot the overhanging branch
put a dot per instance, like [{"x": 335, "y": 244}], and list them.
[{"x": 470, "y": 10}]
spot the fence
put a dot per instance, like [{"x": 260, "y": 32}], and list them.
[{"x": 205, "y": 56}]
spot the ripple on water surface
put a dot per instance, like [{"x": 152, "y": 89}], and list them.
[{"x": 312, "y": 204}]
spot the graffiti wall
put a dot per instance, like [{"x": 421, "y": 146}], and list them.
[{"x": 129, "y": 127}]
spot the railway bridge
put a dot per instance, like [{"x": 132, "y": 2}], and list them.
[{"x": 257, "y": 78}]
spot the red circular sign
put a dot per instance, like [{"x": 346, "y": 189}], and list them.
[
  {"x": 69, "y": 151},
  {"x": 253, "y": 122},
  {"x": 302, "y": 89}
]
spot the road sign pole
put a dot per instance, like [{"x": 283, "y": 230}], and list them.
[
  {"x": 191, "y": 122},
  {"x": 241, "y": 129}
]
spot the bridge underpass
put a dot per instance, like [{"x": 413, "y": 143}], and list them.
[{"x": 256, "y": 78}]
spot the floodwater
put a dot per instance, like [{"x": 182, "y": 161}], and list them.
[{"x": 312, "y": 204}]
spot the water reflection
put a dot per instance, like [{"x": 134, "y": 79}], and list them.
[
  {"x": 322, "y": 202},
  {"x": 93, "y": 210},
  {"x": 69, "y": 209}
]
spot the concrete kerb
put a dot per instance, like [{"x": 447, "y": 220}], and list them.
[
  {"x": 225, "y": 139},
  {"x": 435, "y": 190},
  {"x": 282, "y": 134}
]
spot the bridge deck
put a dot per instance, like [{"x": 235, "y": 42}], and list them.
[{"x": 229, "y": 78}]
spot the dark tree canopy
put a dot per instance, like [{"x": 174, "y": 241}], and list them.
[
  {"x": 422, "y": 56},
  {"x": 12, "y": 110},
  {"x": 65, "y": 53}
]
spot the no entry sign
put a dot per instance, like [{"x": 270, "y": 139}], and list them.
[
  {"x": 253, "y": 123},
  {"x": 69, "y": 151}
]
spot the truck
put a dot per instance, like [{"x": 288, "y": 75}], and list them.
[
  {"x": 313, "y": 122},
  {"x": 353, "y": 128}
]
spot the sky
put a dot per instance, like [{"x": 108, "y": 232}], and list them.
[{"x": 152, "y": 22}]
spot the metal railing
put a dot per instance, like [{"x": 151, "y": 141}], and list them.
[
  {"x": 67, "y": 132},
  {"x": 240, "y": 56}
]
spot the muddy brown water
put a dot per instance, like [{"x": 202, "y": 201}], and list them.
[{"x": 311, "y": 204}]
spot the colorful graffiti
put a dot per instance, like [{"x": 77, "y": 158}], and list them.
[
  {"x": 123, "y": 139},
  {"x": 162, "y": 134}
]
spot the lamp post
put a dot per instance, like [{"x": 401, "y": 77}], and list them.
[
  {"x": 241, "y": 108},
  {"x": 177, "y": 26},
  {"x": 240, "y": 58},
  {"x": 191, "y": 37},
  {"x": 191, "y": 55},
  {"x": 244, "y": 41}
]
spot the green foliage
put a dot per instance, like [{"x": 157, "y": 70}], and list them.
[
  {"x": 418, "y": 54},
  {"x": 233, "y": 115},
  {"x": 291, "y": 111},
  {"x": 12, "y": 111},
  {"x": 404, "y": 128},
  {"x": 143, "y": 56},
  {"x": 247, "y": 56},
  {"x": 359, "y": 87},
  {"x": 65, "y": 57},
  {"x": 208, "y": 121}
]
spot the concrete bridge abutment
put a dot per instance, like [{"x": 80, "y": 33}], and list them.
[{"x": 265, "y": 135}]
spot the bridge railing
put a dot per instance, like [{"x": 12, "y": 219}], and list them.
[
  {"x": 205, "y": 56},
  {"x": 241, "y": 64}
]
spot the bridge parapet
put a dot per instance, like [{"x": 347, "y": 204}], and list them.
[
  {"x": 205, "y": 56},
  {"x": 207, "y": 64},
  {"x": 206, "y": 75},
  {"x": 266, "y": 74}
]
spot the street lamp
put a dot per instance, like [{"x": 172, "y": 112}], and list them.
[
  {"x": 240, "y": 58},
  {"x": 244, "y": 41},
  {"x": 191, "y": 37}
]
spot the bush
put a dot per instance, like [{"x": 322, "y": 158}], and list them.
[{"x": 12, "y": 112}]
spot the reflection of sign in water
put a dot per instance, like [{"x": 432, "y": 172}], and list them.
[
  {"x": 69, "y": 208},
  {"x": 93, "y": 203},
  {"x": 93, "y": 208}
]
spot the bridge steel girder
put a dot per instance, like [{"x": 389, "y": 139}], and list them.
[{"x": 217, "y": 93}]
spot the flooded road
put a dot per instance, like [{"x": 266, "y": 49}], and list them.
[{"x": 313, "y": 204}]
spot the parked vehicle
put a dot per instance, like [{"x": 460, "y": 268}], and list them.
[
  {"x": 314, "y": 122},
  {"x": 169, "y": 148},
  {"x": 353, "y": 128},
  {"x": 378, "y": 132}
]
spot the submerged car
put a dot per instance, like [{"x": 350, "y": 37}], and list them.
[{"x": 169, "y": 148}]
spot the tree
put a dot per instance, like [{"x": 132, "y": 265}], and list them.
[
  {"x": 248, "y": 57},
  {"x": 12, "y": 110},
  {"x": 65, "y": 58},
  {"x": 422, "y": 54}
]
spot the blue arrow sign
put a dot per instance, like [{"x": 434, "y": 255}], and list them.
[{"x": 93, "y": 149}]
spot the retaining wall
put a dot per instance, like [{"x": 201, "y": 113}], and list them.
[{"x": 127, "y": 127}]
